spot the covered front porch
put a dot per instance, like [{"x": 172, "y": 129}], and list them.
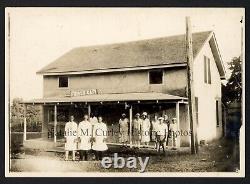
[{"x": 56, "y": 112}]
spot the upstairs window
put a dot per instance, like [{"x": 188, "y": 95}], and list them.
[
  {"x": 63, "y": 82},
  {"x": 155, "y": 77},
  {"x": 207, "y": 71}
]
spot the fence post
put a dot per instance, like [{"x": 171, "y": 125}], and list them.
[
  {"x": 178, "y": 124},
  {"x": 55, "y": 123},
  {"x": 24, "y": 129},
  {"x": 24, "y": 125},
  {"x": 130, "y": 125}
]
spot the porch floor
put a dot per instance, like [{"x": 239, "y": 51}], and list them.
[{"x": 50, "y": 146}]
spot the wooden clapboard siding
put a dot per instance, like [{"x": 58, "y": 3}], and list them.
[
  {"x": 207, "y": 92},
  {"x": 174, "y": 82}
]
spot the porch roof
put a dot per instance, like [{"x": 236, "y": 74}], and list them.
[{"x": 109, "y": 98}]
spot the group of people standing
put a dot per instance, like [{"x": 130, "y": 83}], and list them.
[
  {"x": 85, "y": 137},
  {"x": 140, "y": 130},
  {"x": 90, "y": 134},
  {"x": 143, "y": 130}
]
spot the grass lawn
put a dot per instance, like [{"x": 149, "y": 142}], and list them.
[{"x": 219, "y": 156}]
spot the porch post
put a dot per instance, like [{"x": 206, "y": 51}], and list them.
[
  {"x": 89, "y": 110},
  {"x": 130, "y": 125},
  {"x": 55, "y": 122},
  {"x": 44, "y": 123},
  {"x": 24, "y": 123},
  {"x": 224, "y": 111},
  {"x": 178, "y": 123}
]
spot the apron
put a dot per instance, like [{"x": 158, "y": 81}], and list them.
[
  {"x": 84, "y": 133},
  {"x": 71, "y": 136},
  {"x": 123, "y": 130},
  {"x": 173, "y": 128},
  {"x": 145, "y": 130},
  {"x": 154, "y": 129},
  {"x": 99, "y": 134},
  {"x": 137, "y": 129}
]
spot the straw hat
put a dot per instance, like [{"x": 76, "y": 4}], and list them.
[
  {"x": 144, "y": 114},
  {"x": 137, "y": 114}
]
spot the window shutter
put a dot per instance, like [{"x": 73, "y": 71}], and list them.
[
  {"x": 205, "y": 69},
  {"x": 209, "y": 71}
]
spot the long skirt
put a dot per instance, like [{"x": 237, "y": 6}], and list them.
[
  {"x": 145, "y": 137},
  {"x": 70, "y": 145},
  {"x": 99, "y": 144},
  {"x": 123, "y": 136},
  {"x": 136, "y": 135}
]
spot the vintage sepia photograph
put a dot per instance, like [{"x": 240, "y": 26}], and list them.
[{"x": 110, "y": 92}]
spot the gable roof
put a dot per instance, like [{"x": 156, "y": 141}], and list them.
[{"x": 151, "y": 52}]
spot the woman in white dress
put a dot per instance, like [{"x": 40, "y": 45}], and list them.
[
  {"x": 93, "y": 119},
  {"x": 145, "y": 129},
  {"x": 99, "y": 141},
  {"x": 71, "y": 138},
  {"x": 167, "y": 122},
  {"x": 173, "y": 128},
  {"x": 137, "y": 130},
  {"x": 84, "y": 134},
  {"x": 123, "y": 130},
  {"x": 155, "y": 123}
]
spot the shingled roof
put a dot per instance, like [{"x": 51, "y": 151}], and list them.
[{"x": 151, "y": 52}]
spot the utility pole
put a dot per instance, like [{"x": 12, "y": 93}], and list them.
[
  {"x": 191, "y": 98},
  {"x": 241, "y": 44}
]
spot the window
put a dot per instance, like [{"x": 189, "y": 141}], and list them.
[
  {"x": 217, "y": 114},
  {"x": 197, "y": 110},
  {"x": 207, "y": 70},
  {"x": 63, "y": 82},
  {"x": 155, "y": 77}
]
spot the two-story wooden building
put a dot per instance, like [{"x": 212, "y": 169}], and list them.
[{"x": 146, "y": 75}]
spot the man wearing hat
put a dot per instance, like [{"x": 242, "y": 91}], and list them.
[
  {"x": 136, "y": 129},
  {"x": 145, "y": 129},
  {"x": 161, "y": 134},
  {"x": 123, "y": 129}
]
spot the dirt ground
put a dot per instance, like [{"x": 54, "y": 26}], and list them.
[{"x": 219, "y": 156}]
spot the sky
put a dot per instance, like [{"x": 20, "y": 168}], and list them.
[{"x": 38, "y": 36}]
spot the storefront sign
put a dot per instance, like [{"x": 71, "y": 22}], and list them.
[{"x": 74, "y": 93}]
